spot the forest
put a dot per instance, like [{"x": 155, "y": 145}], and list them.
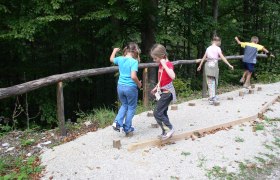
[{"x": 43, "y": 38}]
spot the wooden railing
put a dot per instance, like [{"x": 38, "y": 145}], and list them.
[{"x": 59, "y": 78}]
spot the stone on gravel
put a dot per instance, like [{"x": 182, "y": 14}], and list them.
[{"x": 6, "y": 145}]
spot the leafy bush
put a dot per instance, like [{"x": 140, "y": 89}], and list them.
[
  {"x": 103, "y": 117},
  {"x": 183, "y": 87}
]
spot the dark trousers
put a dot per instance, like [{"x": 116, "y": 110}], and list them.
[{"x": 160, "y": 111}]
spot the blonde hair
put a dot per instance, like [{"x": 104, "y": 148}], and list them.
[
  {"x": 216, "y": 38},
  {"x": 254, "y": 39},
  {"x": 159, "y": 51},
  {"x": 132, "y": 48}
]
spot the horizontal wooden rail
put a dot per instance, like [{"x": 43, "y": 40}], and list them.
[{"x": 36, "y": 84}]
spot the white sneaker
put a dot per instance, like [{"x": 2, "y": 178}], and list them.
[{"x": 168, "y": 134}]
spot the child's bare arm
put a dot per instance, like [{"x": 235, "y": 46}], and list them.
[
  {"x": 267, "y": 52},
  {"x": 201, "y": 62},
  {"x": 115, "y": 50},
  {"x": 135, "y": 79},
  {"x": 225, "y": 60},
  {"x": 237, "y": 40},
  {"x": 169, "y": 71}
]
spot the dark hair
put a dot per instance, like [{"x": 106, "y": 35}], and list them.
[{"x": 133, "y": 48}]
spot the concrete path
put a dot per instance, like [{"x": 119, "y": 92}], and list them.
[{"x": 93, "y": 157}]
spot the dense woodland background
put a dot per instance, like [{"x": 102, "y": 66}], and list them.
[{"x": 41, "y": 38}]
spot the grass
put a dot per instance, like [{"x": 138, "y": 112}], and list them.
[
  {"x": 185, "y": 153},
  {"x": 20, "y": 167},
  {"x": 202, "y": 160},
  {"x": 219, "y": 173},
  {"x": 259, "y": 127},
  {"x": 27, "y": 142},
  {"x": 103, "y": 117},
  {"x": 239, "y": 139}
]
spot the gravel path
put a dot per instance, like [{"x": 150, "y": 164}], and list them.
[{"x": 92, "y": 156}]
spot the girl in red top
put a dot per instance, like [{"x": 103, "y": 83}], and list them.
[{"x": 164, "y": 90}]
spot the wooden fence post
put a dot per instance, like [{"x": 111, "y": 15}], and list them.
[
  {"x": 60, "y": 109},
  {"x": 204, "y": 84},
  {"x": 145, "y": 88}
]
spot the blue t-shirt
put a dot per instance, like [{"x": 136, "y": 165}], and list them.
[{"x": 126, "y": 66}]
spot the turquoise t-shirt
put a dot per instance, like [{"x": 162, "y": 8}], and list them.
[{"x": 126, "y": 66}]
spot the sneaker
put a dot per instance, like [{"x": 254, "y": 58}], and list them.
[
  {"x": 246, "y": 85},
  {"x": 242, "y": 80},
  {"x": 161, "y": 135},
  {"x": 211, "y": 101},
  {"x": 168, "y": 135},
  {"x": 116, "y": 126},
  {"x": 215, "y": 100},
  {"x": 130, "y": 131}
]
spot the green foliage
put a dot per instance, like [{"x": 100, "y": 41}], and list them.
[
  {"x": 219, "y": 173},
  {"x": 27, "y": 142},
  {"x": 4, "y": 129},
  {"x": 259, "y": 127},
  {"x": 48, "y": 113},
  {"x": 13, "y": 167},
  {"x": 239, "y": 139},
  {"x": 185, "y": 153},
  {"x": 183, "y": 87},
  {"x": 103, "y": 117}
]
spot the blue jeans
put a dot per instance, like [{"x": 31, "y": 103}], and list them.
[{"x": 128, "y": 96}]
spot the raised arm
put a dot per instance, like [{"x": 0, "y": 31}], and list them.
[
  {"x": 237, "y": 40},
  {"x": 169, "y": 71},
  {"x": 113, "y": 55},
  {"x": 225, "y": 60},
  {"x": 201, "y": 62}
]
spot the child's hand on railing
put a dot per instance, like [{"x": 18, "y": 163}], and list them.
[
  {"x": 231, "y": 67},
  {"x": 199, "y": 68}
]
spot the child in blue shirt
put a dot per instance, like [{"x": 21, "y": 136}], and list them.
[{"x": 127, "y": 86}]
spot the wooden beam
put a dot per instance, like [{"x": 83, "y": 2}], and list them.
[
  {"x": 60, "y": 109},
  {"x": 186, "y": 135},
  {"x": 36, "y": 84}
]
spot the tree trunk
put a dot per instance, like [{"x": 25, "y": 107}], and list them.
[
  {"x": 148, "y": 35},
  {"x": 215, "y": 7}
]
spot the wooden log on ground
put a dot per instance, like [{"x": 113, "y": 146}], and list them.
[
  {"x": 191, "y": 104},
  {"x": 153, "y": 125},
  {"x": 253, "y": 86},
  {"x": 174, "y": 107},
  {"x": 150, "y": 114},
  {"x": 60, "y": 109},
  {"x": 251, "y": 91},
  {"x": 117, "y": 144},
  {"x": 241, "y": 93},
  {"x": 230, "y": 98},
  {"x": 205, "y": 130},
  {"x": 216, "y": 103},
  {"x": 259, "y": 89}
]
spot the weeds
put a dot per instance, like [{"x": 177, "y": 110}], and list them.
[
  {"x": 259, "y": 127},
  {"x": 185, "y": 153},
  {"x": 12, "y": 167},
  {"x": 103, "y": 117},
  {"x": 239, "y": 139}
]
